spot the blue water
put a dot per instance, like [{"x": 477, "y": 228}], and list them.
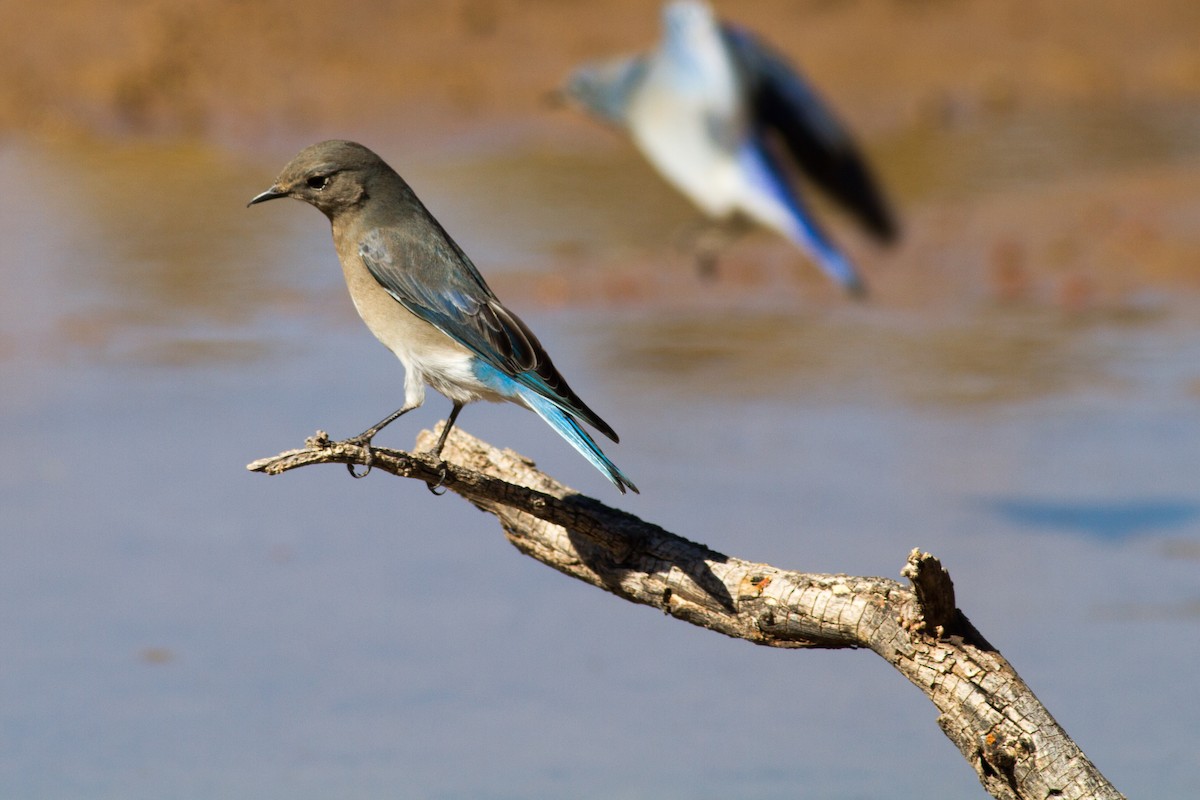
[{"x": 174, "y": 626}]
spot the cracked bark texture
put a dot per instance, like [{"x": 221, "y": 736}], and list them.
[{"x": 1007, "y": 736}]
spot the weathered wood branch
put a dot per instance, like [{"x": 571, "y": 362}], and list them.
[{"x": 1008, "y": 737}]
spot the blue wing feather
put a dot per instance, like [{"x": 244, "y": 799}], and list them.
[
  {"x": 427, "y": 273},
  {"x": 783, "y": 103}
]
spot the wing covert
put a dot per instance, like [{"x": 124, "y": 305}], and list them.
[{"x": 431, "y": 277}]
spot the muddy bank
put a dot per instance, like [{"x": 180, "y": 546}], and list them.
[{"x": 292, "y": 70}]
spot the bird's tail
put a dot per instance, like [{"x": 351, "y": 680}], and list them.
[
  {"x": 578, "y": 438},
  {"x": 775, "y": 203}
]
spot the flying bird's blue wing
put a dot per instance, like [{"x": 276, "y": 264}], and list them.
[
  {"x": 427, "y": 273},
  {"x": 782, "y": 102}
]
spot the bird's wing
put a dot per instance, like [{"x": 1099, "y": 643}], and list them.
[
  {"x": 783, "y": 102},
  {"x": 427, "y": 273},
  {"x": 433, "y": 279}
]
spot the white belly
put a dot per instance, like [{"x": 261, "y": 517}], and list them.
[
  {"x": 429, "y": 356},
  {"x": 678, "y": 143},
  {"x": 687, "y": 115}
]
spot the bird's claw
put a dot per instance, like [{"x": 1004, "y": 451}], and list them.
[
  {"x": 441, "y": 482},
  {"x": 367, "y": 462}
]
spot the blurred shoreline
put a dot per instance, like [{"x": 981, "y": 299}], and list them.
[
  {"x": 273, "y": 70},
  {"x": 1045, "y": 153}
]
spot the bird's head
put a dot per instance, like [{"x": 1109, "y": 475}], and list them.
[
  {"x": 603, "y": 88},
  {"x": 685, "y": 19},
  {"x": 333, "y": 176}
]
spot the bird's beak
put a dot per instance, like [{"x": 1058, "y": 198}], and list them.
[{"x": 270, "y": 194}]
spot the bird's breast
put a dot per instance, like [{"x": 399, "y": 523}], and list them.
[
  {"x": 689, "y": 123},
  {"x": 429, "y": 355}
]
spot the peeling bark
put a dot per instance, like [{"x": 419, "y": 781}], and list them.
[{"x": 1007, "y": 736}]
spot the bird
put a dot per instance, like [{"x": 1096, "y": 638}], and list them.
[
  {"x": 423, "y": 298},
  {"x": 724, "y": 117}
]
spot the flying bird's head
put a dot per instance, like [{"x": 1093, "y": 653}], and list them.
[
  {"x": 685, "y": 20},
  {"x": 333, "y": 176},
  {"x": 604, "y": 88}
]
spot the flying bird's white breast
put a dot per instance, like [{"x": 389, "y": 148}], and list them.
[{"x": 687, "y": 116}]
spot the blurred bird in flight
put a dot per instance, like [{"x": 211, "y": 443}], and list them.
[{"x": 718, "y": 113}]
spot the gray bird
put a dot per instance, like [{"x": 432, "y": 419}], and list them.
[
  {"x": 422, "y": 297},
  {"x": 718, "y": 113}
]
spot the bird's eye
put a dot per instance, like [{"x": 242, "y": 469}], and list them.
[{"x": 318, "y": 182}]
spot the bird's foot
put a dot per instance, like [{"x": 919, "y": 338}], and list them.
[
  {"x": 365, "y": 443},
  {"x": 441, "y": 482}
]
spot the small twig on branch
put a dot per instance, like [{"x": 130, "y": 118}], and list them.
[{"x": 1011, "y": 741}]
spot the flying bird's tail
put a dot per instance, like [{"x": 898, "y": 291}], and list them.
[
  {"x": 576, "y": 436},
  {"x": 772, "y": 201}
]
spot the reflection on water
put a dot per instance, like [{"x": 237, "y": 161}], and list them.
[
  {"x": 1022, "y": 147},
  {"x": 1103, "y": 519},
  {"x": 157, "y": 238},
  {"x": 148, "y": 254},
  {"x": 164, "y": 228},
  {"x": 998, "y": 356},
  {"x": 602, "y": 196},
  {"x": 549, "y": 203}
]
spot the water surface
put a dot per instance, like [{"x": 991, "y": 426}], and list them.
[{"x": 171, "y": 625}]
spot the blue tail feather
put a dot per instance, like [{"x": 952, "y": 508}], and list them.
[
  {"x": 557, "y": 418},
  {"x": 765, "y": 173},
  {"x": 577, "y": 437}
]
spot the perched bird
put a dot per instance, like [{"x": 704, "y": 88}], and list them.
[
  {"x": 422, "y": 297},
  {"x": 716, "y": 111}
]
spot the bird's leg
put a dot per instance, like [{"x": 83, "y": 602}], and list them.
[
  {"x": 706, "y": 239},
  {"x": 364, "y": 438},
  {"x": 436, "y": 452},
  {"x": 714, "y": 241},
  {"x": 687, "y": 238}
]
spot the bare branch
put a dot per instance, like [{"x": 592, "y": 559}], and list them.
[{"x": 1011, "y": 741}]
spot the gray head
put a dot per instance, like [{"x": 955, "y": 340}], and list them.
[
  {"x": 605, "y": 87},
  {"x": 687, "y": 26},
  {"x": 683, "y": 17},
  {"x": 334, "y": 176}
]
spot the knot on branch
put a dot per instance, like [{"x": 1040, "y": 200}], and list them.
[
  {"x": 936, "y": 611},
  {"x": 999, "y": 755}
]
